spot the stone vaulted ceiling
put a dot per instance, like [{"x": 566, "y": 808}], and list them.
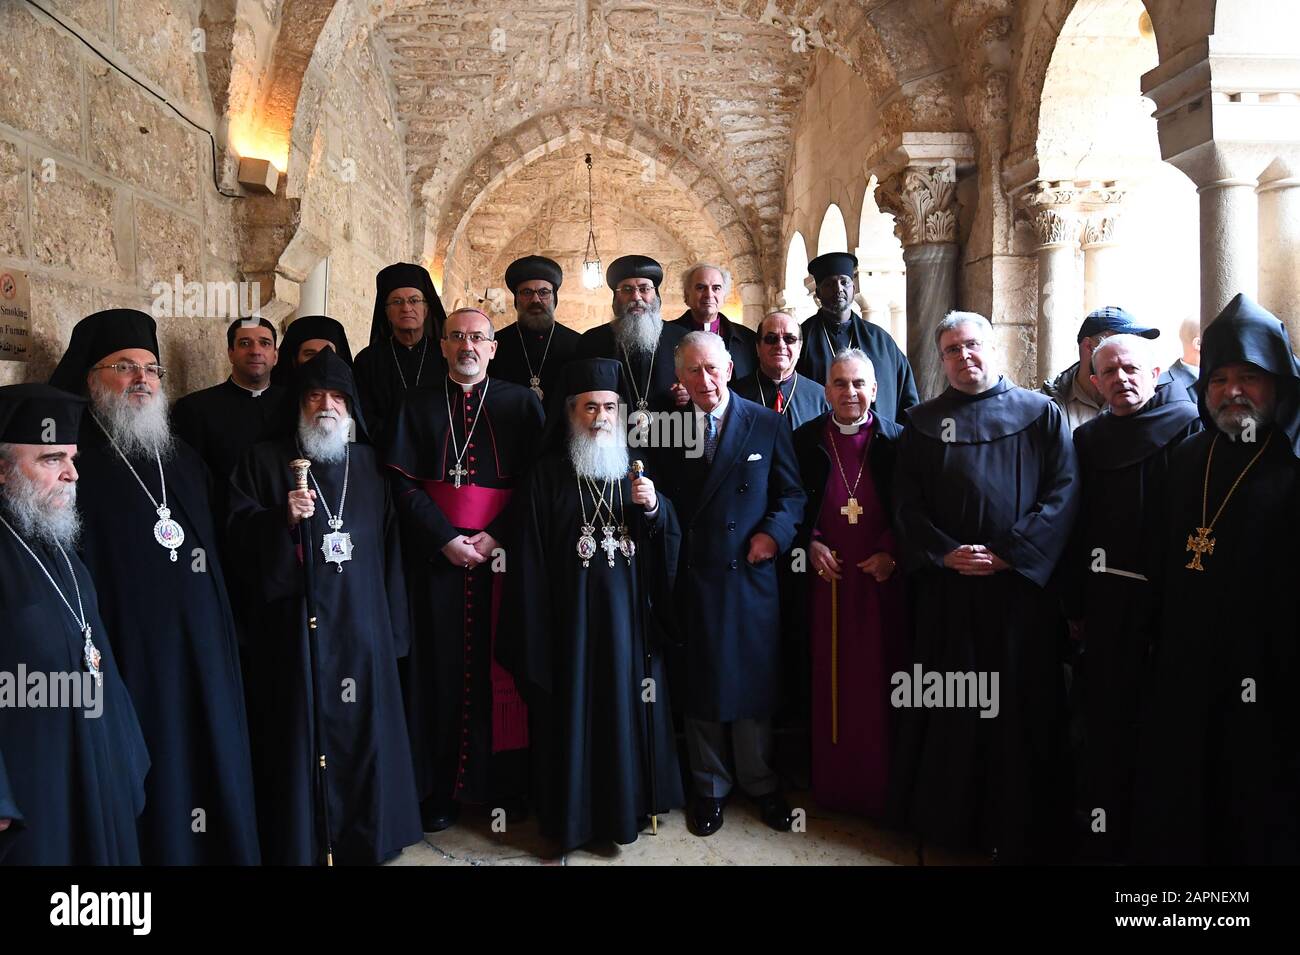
[{"x": 698, "y": 97}]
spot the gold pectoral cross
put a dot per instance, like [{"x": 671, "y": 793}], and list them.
[
  {"x": 851, "y": 510},
  {"x": 1202, "y": 543}
]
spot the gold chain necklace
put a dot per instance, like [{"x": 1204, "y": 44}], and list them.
[
  {"x": 1202, "y": 543},
  {"x": 852, "y": 509}
]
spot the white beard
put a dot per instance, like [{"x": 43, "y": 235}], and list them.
[
  {"x": 638, "y": 333},
  {"x": 1231, "y": 417},
  {"x": 140, "y": 431},
  {"x": 599, "y": 458},
  {"x": 34, "y": 513},
  {"x": 325, "y": 443}
]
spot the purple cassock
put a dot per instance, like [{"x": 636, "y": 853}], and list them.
[{"x": 857, "y": 628}]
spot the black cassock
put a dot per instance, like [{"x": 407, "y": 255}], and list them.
[
  {"x": 823, "y": 336},
  {"x": 1219, "y": 773},
  {"x": 384, "y": 370},
  {"x": 362, "y": 631},
  {"x": 658, "y": 369},
  {"x": 996, "y": 469},
  {"x": 174, "y": 637},
  {"x": 738, "y": 338},
  {"x": 224, "y": 421},
  {"x": 522, "y": 354},
  {"x": 454, "y": 696},
  {"x": 1124, "y": 464},
  {"x": 802, "y": 399},
  {"x": 573, "y": 637},
  {"x": 73, "y": 785}
]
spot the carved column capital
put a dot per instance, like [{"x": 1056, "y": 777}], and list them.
[{"x": 923, "y": 200}]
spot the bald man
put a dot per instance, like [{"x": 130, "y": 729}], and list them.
[{"x": 458, "y": 448}]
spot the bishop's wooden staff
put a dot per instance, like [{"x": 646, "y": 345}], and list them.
[{"x": 300, "y": 467}]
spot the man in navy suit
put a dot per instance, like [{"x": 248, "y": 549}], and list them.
[{"x": 738, "y": 493}]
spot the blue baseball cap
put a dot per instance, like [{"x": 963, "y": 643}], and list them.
[{"x": 1113, "y": 319}]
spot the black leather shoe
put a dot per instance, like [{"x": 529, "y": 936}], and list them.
[
  {"x": 435, "y": 817},
  {"x": 706, "y": 815},
  {"x": 775, "y": 811}
]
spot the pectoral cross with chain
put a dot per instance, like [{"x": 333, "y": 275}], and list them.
[
  {"x": 609, "y": 545},
  {"x": 457, "y": 473},
  {"x": 851, "y": 510},
  {"x": 1202, "y": 543}
]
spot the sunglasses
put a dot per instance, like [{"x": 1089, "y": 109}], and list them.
[{"x": 771, "y": 338}]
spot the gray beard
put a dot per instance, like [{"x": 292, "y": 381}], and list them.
[
  {"x": 325, "y": 446},
  {"x": 139, "y": 432},
  {"x": 1233, "y": 426},
  {"x": 537, "y": 321},
  {"x": 35, "y": 516},
  {"x": 639, "y": 334},
  {"x": 595, "y": 459}
]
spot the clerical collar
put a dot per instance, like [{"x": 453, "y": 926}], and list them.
[
  {"x": 467, "y": 388},
  {"x": 255, "y": 392},
  {"x": 704, "y": 326},
  {"x": 853, "y": 428},
  {"x": 778, "y": 381}
]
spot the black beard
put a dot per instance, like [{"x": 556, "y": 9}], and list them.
[{"x": 536, "y": 321}]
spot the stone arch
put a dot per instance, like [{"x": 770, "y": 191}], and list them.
[
  {"x": 832, "y": 235},
  {"x": 796, "y": 297}
]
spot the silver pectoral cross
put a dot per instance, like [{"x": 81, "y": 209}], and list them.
[
  {"x": 457, "y": 473},
  {"x": 609, "y": 545}
]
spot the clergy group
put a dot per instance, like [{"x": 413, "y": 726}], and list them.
[{"x": 339, "y": 601}]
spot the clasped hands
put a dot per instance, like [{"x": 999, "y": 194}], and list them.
[
  {"x": 880, "y": 565},
  {"x": 974, "y": 560}
]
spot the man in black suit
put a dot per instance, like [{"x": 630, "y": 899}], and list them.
[
  {"x": 739, "y": 497},
  {"x": 704, "y": 288}
]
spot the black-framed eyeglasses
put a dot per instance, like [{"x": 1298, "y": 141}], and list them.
[
  {"x": 635, "y": 290},
  {"x": 399, "y": 302},
  {"x": 132, "y": 368},
  {"x": 771, "y": 338},
  {"x": 541, "y": 294},
  {"x": 474, "y": 338}
]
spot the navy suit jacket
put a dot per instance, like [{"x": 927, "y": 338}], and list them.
[{"x": 729, "y": 610}]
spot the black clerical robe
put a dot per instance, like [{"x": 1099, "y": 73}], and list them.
[
  {"x": 639, "y": 369},
  {"x": 802, "y": 399},
  {"x": 996, "y": 469},
  {"x": 523, "y": 354},
  {"x": 576, "y": 639},
  {"x": 72, "y": 783},
  {"x": 739, "y": 339},
  {"x": 1219, "y": 761},
  {"x": 385, "y": 370},
  {"x": 174, "y": 637},
  {"x": 1113, "y": 557},
  {"x": 468, "y": 725},
  {"x": 362, "y": 630},
  {"x": 823, "y": 336},
  {"x": 224, "y": 421}
]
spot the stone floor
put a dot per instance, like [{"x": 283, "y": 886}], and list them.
[{"x": 829, "y": 839}]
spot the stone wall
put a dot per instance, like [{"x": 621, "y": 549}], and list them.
[
  {"x": 354, "y": 197},
  {"x": 105, "y": 190}
]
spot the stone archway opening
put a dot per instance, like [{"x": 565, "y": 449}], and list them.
[
  {"x": 1116, "y": 225},
  {"x": 796, "y": 297}
]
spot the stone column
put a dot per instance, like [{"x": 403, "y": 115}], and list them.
[
  {"x": 1229, "y": 243},
  {"x": 923, "y": 200},
  {"x": 1279, "y": 245},
  {"x": 1104, "y": 268},
  {"x": 1059, "y": 298}
]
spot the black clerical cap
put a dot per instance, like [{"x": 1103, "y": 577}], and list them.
[
  {"x": 532, "y": 267},
  {"x": 303, "y": 330},
  {"x": 327, "y": 371},
  {"x": 1117, "y": 321},
  {"x": 99, "y": 335},
  {"x": 39, "y": 414},
  {"x": 590, "y": 374},
  {"x": 633, "y": 267},
  {"x": 1245, "y": 331},
  {"x": 833, "y": 263},
  {"x": 405, "y": 275}
]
